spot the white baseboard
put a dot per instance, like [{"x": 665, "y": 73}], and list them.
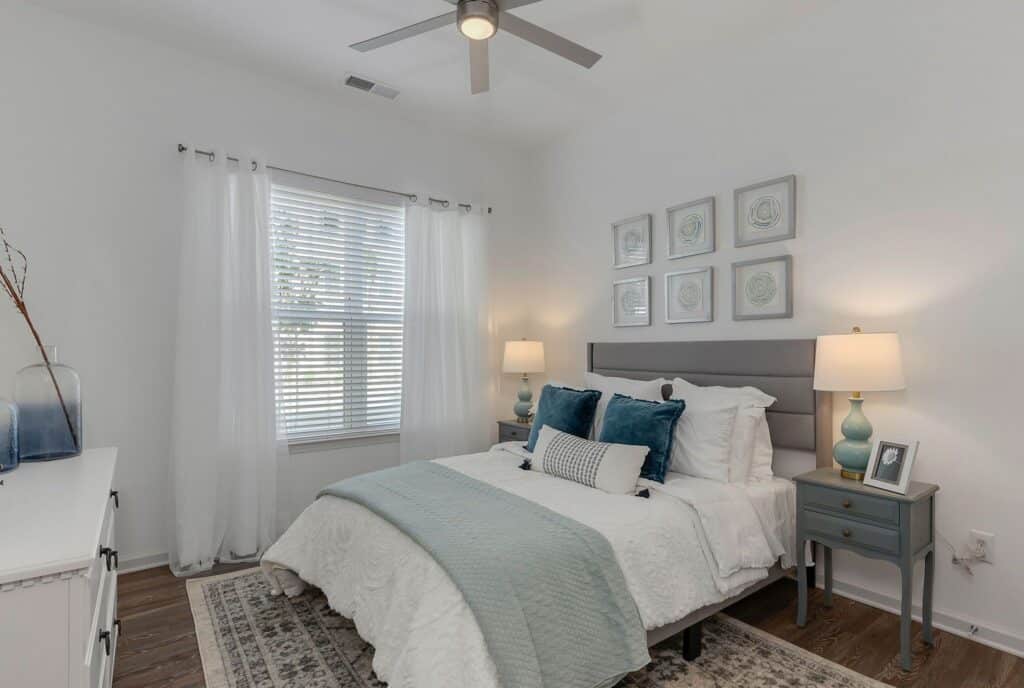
[
  {"x": 997, "y": 638},
  {"x": 142, "y": 563}
]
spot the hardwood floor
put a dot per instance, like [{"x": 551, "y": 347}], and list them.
[
  {"x": 867, "y": 640},
  {"x": 158, "y": 646}
]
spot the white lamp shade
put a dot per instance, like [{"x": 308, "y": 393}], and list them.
[
  {"x": 859, "y": 363},
  {"x": 524, "y": 357}
]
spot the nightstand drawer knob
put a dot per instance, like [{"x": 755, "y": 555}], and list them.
[
  {"x": 846, "y": 532},
  {"x": 847, "y": 503}
]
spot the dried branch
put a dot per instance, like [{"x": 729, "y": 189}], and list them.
[{"x": 13, "y": 275}]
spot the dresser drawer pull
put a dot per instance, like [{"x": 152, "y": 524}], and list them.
[
  {"x": 847, "y": 533},
  {"x": 111, "y": 556},
  {"x": 847, "y": 503},
  {"x": 116, "y": 496},
  {"x": 105, "y": 639}
]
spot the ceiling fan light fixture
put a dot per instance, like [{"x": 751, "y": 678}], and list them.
[{"x": 478, "y": 19}]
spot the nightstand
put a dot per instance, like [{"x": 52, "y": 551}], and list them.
[
  {"x": 513, "y": 431},
  {"x": 846, "y": 514}
]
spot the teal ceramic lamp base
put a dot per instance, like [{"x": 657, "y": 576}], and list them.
[
  {"x": 525, "y": 403},
  {"x": 853, "y": 452}
]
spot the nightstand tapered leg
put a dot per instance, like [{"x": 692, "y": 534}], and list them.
[
  {"x": 926, "y": 598},
  {"x": 907, "y": 599},
  {"x": 801, "y": 582},
  {"x": 828, "y": 575}
]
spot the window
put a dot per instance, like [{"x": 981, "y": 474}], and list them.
[{"x": 339, "y": 277}]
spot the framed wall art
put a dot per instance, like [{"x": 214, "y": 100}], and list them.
[
  {"x": 691, "y": 228},
  {"x": 631, "y": 241},
  {"x": 689, "y": 296},
  {"x": 766, "y": 212},
  {"x": 631, "y": 302},
  {"x": 762, "y": 289}
]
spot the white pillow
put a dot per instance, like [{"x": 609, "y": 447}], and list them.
[
  {"x": 750, "y": 403},
  {"x": 750, "y": 396},
  {"x": 648, "y": 390},
  {"x": 613, "y": 468},
  {"x": 761, "y": 463},
  {"x": 702, "y": 441},
  {"x": 741, "y": 454}
]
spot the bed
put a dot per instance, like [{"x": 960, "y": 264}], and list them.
[{"x": 692, "y": 548}]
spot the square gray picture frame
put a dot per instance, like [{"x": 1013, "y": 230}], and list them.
[
  {"x": 788, "y": 313},
  {"x": 711, "y": 230},
  {"x": 709, "y": 296},
  {"x": 740, "y": 213},
  {"x": 648, "y": 219},
  {"x": 646, "y": 281}
]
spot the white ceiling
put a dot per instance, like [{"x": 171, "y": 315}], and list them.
[{"x": 535, "y": 96}]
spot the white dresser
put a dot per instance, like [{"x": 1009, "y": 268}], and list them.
[{"x": 58, "y": 573}]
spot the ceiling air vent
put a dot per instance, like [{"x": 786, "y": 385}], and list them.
[{"x": 373, "y": 87}]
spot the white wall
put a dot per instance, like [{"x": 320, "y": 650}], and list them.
[
  {"x": 90, "y": 190},
  {"x": 905, "y": 130}
]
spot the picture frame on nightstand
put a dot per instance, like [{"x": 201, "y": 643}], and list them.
[{"x": 890, "y": 465}]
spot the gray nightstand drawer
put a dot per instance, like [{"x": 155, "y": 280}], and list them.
[
  {"x": 854, "y": 533},
  {"x": 885, "y": 511},
  {"x": 513, "y": 432}
]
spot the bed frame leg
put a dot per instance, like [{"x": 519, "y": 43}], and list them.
[
  {"x": 692, "y": 642},
  {"x": 811, "y": 571}
]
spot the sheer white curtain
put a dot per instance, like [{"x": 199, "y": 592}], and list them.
[
  {"x": 224, "y": 443},
  {"x": 446, "y": 393}
]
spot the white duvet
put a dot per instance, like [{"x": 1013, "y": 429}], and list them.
[{"x": 693, "y": 543}]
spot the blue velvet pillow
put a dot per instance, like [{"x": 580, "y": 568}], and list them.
[
  {"x": 648, "y": 423},
  {"x": 568, "y": 410}
]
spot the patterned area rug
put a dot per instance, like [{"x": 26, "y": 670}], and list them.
[{"x": 249, "y": 639}]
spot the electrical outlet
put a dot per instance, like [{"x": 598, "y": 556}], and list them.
[{"x": 984, "y": 544}]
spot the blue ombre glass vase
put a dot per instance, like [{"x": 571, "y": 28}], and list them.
[
  {"x": 43, "y": 432},
  {"x": 8, "y": 436}
]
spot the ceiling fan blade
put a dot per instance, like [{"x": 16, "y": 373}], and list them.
[
  {"x": 408, "y": 32},
  {"x": 479, "y": 67},
  {"x": 505, "y": 5},
  {"x": 543, "y": 38}
]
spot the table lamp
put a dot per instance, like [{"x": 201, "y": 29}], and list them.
[
  {"x": 523, "y": 358},
  {"x": 862, "y": 362}
]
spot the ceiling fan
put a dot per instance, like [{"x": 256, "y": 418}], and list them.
[{"x": 479, "y": 20}]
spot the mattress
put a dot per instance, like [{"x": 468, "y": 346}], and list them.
[{"x": 691, "y": 544}]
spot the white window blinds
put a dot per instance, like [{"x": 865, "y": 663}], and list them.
[{"x": 339, "y": 278}]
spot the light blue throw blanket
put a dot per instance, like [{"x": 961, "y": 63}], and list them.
[{"x": 546, "y": 591}]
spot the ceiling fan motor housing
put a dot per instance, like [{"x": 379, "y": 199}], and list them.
[{"x": 478, "y": 9}]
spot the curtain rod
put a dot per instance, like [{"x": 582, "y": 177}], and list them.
[{"x": 410, "y": 196}]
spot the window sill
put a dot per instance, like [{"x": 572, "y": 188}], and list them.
[{"x": 322, "y": 444}]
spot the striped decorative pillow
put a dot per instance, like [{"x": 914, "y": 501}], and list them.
[{"x": 612, "y": 468}]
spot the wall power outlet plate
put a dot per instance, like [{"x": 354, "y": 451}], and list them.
[{"x": 986, "y": 542}]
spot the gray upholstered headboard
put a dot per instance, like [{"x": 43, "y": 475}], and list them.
[{"x": 784, "y": 368}]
